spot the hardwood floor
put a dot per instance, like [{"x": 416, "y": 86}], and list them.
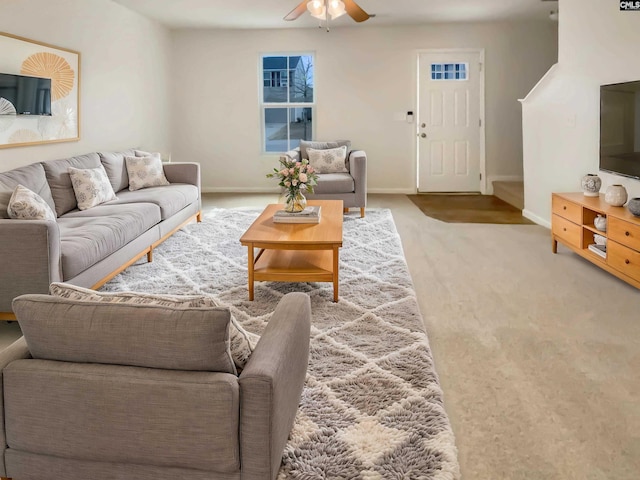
[{"x": 455, "y": 208}]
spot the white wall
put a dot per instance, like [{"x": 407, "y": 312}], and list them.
[
  {"x": 363, "y": 77},
  {"x": 124, "y": 74},
  {"x": 597, "y": 45}
]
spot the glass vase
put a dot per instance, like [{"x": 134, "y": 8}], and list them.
[{"x": 296, "y": 202}]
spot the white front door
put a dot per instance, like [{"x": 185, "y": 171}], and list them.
[{"x": 449, "y": 128}]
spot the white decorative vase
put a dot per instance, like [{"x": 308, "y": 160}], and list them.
[
  {"x": 591, "y": 185},
  {"x": 616, "y": 195},
  {"x": 600, "y": 223}
]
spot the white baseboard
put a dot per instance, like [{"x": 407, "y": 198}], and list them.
[
  {"x": 396, "y": 191},
  {"x": 536, "y": 219},
  {"x": 240, "y": 190}
]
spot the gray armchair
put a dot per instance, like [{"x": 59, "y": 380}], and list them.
[
  {"x": 350, "y": 187},
  {"x": 97, "y": 390}
]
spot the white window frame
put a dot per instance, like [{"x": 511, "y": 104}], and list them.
[{"x": 288, "y": 105}]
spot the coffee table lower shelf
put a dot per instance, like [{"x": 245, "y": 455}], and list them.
[{"x": 295, "y": 266}]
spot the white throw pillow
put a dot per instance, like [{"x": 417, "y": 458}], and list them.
[
  {"x": 145, "y": 172},
  {"x": 331, "y": 160},
  {"x": 242, "y": 343},
  {"x": 27, "y": 205},
  {"x": 91, "y": 186}
]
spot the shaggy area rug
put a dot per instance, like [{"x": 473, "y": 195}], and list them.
[{"x": 372, "y": 407}]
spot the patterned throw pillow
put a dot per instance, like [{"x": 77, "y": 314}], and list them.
[
  {"x": 331, "y": 160},
  {"x": 242, "y": 343},
  {"x": 27, "y": 205},
  {"x": 91, "y": 186},
  {"x": 145, "y": 172}
]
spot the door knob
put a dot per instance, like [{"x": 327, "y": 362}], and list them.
[
  {"x": 423, "y": 125},
  {"x": 423, "y": 135}
]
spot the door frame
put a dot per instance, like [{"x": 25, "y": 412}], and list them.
[{"x": 480, "y": 51}]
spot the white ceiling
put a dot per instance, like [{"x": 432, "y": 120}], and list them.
[{"x": 270, "y": 13}]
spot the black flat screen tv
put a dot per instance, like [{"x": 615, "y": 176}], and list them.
[
  {"x": 28, "y": 95},
  {"x": 620, "y": 128}
]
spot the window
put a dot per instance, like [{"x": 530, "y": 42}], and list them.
[
  {"x": 288, "y": 101},
  {"x": 449, "y": 71}
]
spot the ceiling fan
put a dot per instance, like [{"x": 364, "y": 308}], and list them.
[{"x": 329, "y": 9}]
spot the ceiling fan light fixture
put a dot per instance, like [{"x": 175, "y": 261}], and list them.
[
  {"x": 316, "y": 8},
  {"x": 336, "y": 8}
]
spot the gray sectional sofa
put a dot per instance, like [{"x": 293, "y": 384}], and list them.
[{"x": 89, "y": 247}]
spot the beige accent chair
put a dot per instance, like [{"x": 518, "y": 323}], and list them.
[{"x": 350, "y": 187}]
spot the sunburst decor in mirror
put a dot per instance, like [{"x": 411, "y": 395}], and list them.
[{"x": 21, "y": 58}]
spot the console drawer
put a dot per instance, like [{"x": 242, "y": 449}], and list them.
[
  {"x": 564, "y": 208},
  {"x": 624, "y": 259},
  {"x": 624, "y": 232},
  {"x": 569, "y": 232}
]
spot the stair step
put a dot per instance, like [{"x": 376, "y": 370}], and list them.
[{"x": 510, "y": 192}]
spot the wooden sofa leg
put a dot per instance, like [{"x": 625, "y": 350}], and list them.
[
  {"x": 150, "y": 255},
  {"x": 199, "y": 216},
  {"x": 361, "y": 212},
  {"x": 346, "y": 210}
]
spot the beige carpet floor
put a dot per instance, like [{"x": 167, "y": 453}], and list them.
[{"x": 538, "y": 354}]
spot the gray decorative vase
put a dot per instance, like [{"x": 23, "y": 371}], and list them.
[
  {"x": 634, "y": 206},
  {"x": 591, "y": 184},
  {"x": 616, "y": 195}
]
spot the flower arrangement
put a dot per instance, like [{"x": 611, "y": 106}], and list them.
[{"x": 295, "y": 177}]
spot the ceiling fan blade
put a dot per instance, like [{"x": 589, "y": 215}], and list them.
[
  {"x": 355, "y": 12},
  {"x": 296, "y": 12}
]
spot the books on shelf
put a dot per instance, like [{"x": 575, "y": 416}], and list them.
[
  {"x": 308, "y": 215},
  {"x": 600, "y": 250}
]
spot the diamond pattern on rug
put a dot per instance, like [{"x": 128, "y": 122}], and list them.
[
  {"x": 369, "y": 440},
  {"x": 372, "y": 406},
  {"x": 369, "y": 389}
]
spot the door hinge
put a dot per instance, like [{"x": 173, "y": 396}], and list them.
[
  {"x": 480, "y": 122},
  {"x": 480, "y": 66},
  {"x": 480, "y": 176}
]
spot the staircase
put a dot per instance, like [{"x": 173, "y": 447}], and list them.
[{"x": 510, "y": 192}]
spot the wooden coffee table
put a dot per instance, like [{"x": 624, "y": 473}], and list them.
[{"x": 295, "y": 252}]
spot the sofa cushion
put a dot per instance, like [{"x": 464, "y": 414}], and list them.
[
  {"x": 334, "y": 183},
  {"x": 171, "y": 198},
  {"x": 60, "y": 182},
  {"x": 31, "y": 176},
  {"x": 114, "y": 165},
  {"x": 27, "y": 205},
  {"x": 304, "y": 144},
  {"x": 91, "y": 186},
  {"x": 98, "y": 422},
  {"x": 242, "y": 342},
  {"x": 88, "y": 236},
  {"x": 138, "y": 335},
  {"x": 330, "y": 160},
  {"x": 145, "y": 172}
]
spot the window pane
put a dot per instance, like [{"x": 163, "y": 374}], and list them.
[
  {"x": 285, "y": 127},
  {"x": 301, "y": 126},
  {"x": 301, "y": 79},
  {"x": 275, "y": 130},
  {"x": 272, "y": 68}
]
